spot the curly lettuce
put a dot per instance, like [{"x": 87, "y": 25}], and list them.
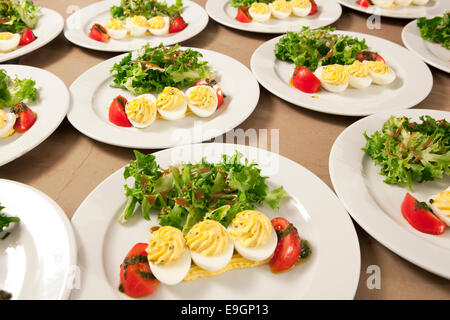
[
  {"x": 436, "y": 29},
  {"x": 247, "y": 3},
  {"x": 13, "y": 91},
  {"x": 17, "y": 15},
  {"x": 146, "y": 8}
]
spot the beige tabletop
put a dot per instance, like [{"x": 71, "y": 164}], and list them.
[{"x": 68, "y": 165}]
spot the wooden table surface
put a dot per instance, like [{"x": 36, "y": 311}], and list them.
[{"x": 68, "y": 165}]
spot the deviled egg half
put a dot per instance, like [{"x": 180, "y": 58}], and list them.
[
  {"x": 383, "y": 3},
  {"x": 210, "y": 245},
  {"x": 159, "y": 25},
  {"x": 116, "y": 29},
  {"x": 9, "y": 41},
  {"x": 260, "y": 12},
  {"x": 202, "y": 100},
  {"x": 380, "y": 72},
  {"x": 301, "y": 8},
  {"x": 171, "y": 103},
  {"x": 7, "y": 121},
  {"x": 359, "y": 75},
  {"x": 141, "y": 111},
  {"x": 253, "y": 235},
  {"x": 440, "y": 204},
  {"x": 137, "y": 25},
  {"x": 280, "y": 9},
  {"x": 168, "y": 256},
  {"x": 334, "y": 77},
  {"x": 403, "y": 3}
]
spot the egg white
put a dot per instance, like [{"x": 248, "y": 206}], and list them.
[
  {"x": 10, "y": 121},
  {"x": 135, "y": 31},
  {"x": 260, "y": 17},
  {"x": 279, "y": 14},
  {"x": 438, "y": 212},
  {"x": 328, "y": 87},
  {"x": 10, "y": 44},
  {"x": 176, "y": 113},
  {"x": 383, "y": 3},
  {"x": 174, "y": 272},
  {"x": 214, "y": 263},
  {"x": 147, "y": 124},
  {"x": 403, "y": 3},
  {"x": 259, "y": 253},
  {"x": 301, "y": 12},
  {"x": 117, "y": 34},
  {"x": 162, "y": 31},
  {"x": 382, "y": 79},
  {"x": 360, "y": 82},
  {"x": 203, "y": 113}
]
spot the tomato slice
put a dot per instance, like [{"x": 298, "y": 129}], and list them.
[
  {"x": 313, "y": 8},
  {"x": 177, "y": 24},
  {"x": 136, "y": 278},
  {"x": 243, "y": 15},
  {"x": 363, "y": 3},
  {"x": 99, "y": 33},
  {"x": 287, "y": 252},
  {"x": 304, "y": 80},
  {"x": 419, "y": 215},
  {"x": 212, "y": 83},
  {"x": 26, "y": 36},
  {"x": 117, "y": 113},
  {"x": 367, "y": 55},
  {"x": 25, "y": 117}
]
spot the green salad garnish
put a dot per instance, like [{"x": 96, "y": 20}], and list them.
[
  {"x": 157, "y": 67},
  {"x": 5, "y": 221},
  {"x": 313, "y": 48},
  {"x": 247, "y": 3},
  {"x": 13, "y": 91},
  {"x": 188, "y": 193},
  {"x": 436, "y": 29},
  {"x": 16, "y": 15},
  {"x": 146, "y": 8},
  {"x": 410, "y": 151}
]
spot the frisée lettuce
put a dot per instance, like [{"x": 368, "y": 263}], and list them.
[
  {"x": 13, "y": 91},
  {"x": 16, "y": 15}
]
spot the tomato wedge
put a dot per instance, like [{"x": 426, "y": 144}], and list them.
[
  {"x": 26, "y": 36},
  {"x": 313, "y": 8},
  {"x": 243, "y": 15},
  {"x": 99, "y": 33},
  {"x": 212, "y": 83},
  {"x": 364, "y": 3},
  {"x": 287, "y": 252},
  {"x": 420, "y": 217},
  {"x": 25, "y": 117},
  {"x": 136, "y": 278},
  {"x": 304, "y": 80},
  {"x": 367, "y": 55},
  {"x": 117, "y": 113},
  {"x": 177, "y": 24}
]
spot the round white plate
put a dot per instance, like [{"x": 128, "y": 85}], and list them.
[
  {"x": 92, "y": 96},
  {"x": 332, "y": 272},
  {"x": 375, "y": 205},
  {"x": 51, "y": 107},
  {"x": 410, "y": 12},
  {"x": 38, "y": 258},
  {"x": 222, "y": 12},
  {"x": 79, "y": 24},
  {"x": 432, "y": 53},
  {"x": 413, "y": 84},
  {"x": 49, "y": 26}
]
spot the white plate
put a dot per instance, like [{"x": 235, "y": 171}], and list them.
[
  {"x": 410, "y": 12},
  {"x": 222, "y": 12},
  {"x": 92, "y": 95},
  {"x": 375, "y": 205},
  {"x": 432, "y": 53},
  {"x": 51, "y": 107},
  {"x": 413, "y": 84},
  {"x": 49, "y": 26},
  {"x": 332, "y": 272},
  {"x": 38, "y": 259},
  {"x": 79, "y": 24}
]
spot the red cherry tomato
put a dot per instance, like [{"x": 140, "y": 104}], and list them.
[
  {"x": 369, "y": 56},
  {"x": 243, "y": 15},
  {"x": 26, "y": 36},
  {"x": 313, "y": 8},
  {"x": 364, "y": 3},
  {"x": 287, "y": 252},
  {"x": 136, "y": 278},
  {"x": 117, "y": 113},
  {"x": 304, "y": 80},
  {"x": 212, "y": 83},
  {"x": 99, "y": 33},
  {"x": 177, "y": 24},
  {"x": 419, "y": 216},
  {"x": 25, "y": 117}
]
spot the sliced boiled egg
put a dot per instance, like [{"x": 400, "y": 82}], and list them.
[
  {"x": 202, "y": 100},
  {"x": 383, "y": 3},
  {"x": 116, "y": 29},
  {"x": 420, "y": 2},
  {"x": 403, "y": 3},
  {"x": 440, "y": 204},
  {"x": 159, "y": 25},
  {"x": 168, "y": 256},
  {"x": 141, "y": 111},
  {"x": 253, "y": 235},
  {"x": 359, "y": 75},
  {"x": 137, "y": 26},
  {"x": 9, "y": 41},
  {"x": 280, "y": 9},
  {"x": 301, "y": 8},
  {"x": 7, "y": 121},
  {"x": 171, "y": 103},
  {"x": 334, "y": 77},
  {"x": 380, "y": 72},
  {"x": 260, "y": 12},
  {"x": 210, "y": 245}
]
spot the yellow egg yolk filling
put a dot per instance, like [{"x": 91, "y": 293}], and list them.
[
  {"x": 335, "y": 75},
  {"x": 251, "y": 229},
  {"x": 166, "y": 245},
  {"x": 209, "y": 238}
]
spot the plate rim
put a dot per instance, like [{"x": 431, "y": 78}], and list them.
[
  {"x": 73, "y": 248},
  {"x": 399, "y": 247}
]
